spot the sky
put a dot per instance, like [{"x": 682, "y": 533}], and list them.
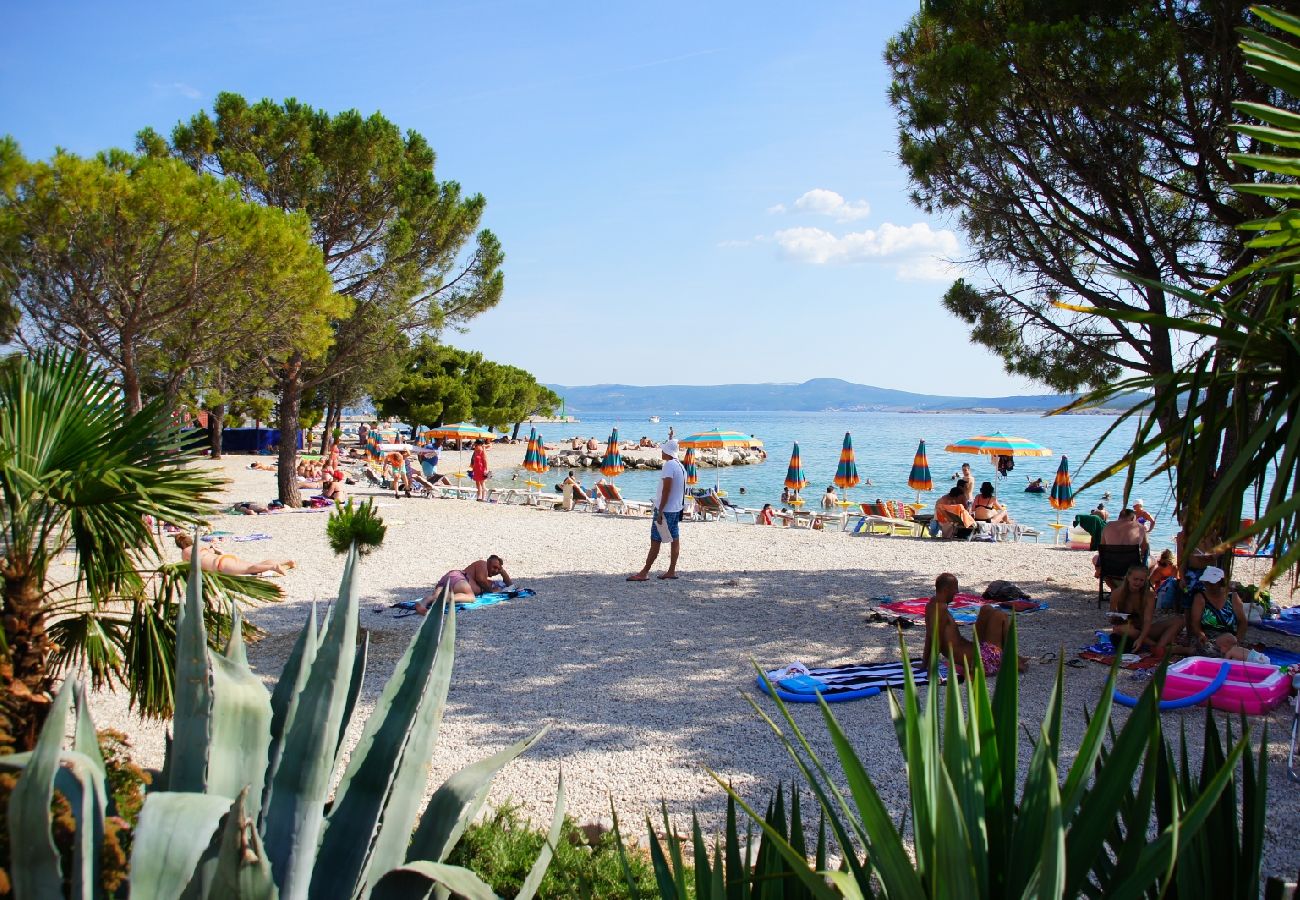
[{"x": 686, "y": 193}]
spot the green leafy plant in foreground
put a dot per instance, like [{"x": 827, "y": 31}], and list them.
[
  {"x": 244, "y": 807},
  {"x": 1127, "y": 818},
  {"x": 355, "y": 526}
]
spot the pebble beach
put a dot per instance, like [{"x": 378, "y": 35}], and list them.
[{"x": 647, "y": 687}]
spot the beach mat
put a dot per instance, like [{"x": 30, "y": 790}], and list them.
[
  {"x": 1106, "y": 659},
  {"x": 965, "y": 608},
  {"x": 1281, "y": 658},
  {"x": 836, "y": 684},
  {"x": 1289, "y": 626},
  {"x": 407, "y": 607}
]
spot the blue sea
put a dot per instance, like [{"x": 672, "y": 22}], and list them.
[{"x": 884, "y": 444}]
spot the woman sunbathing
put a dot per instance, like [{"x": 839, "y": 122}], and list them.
[
  {"x": 1133, "y": 614},
  {"x": 213, "y": 560},
  {"x": 986, "y": 508}
]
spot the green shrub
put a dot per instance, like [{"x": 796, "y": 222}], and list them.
[{"x": 502, "y": 847}]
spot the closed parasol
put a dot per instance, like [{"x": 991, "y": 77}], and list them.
[
  {"x": 795, "y": 479},
  {"x": 692, "y": 470},
  {"x": 846, "y": 474},
  {"x": 612, "y": 465},
  {"x": 920, "y": 479}
]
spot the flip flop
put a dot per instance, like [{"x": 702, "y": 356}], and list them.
[
  {"x": 634, "y": 578},
  {"x": 667, "y": 577}
]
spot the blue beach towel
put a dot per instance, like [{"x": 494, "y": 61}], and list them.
[
  {"x": 407, "y": 607},
  {"x": 836, "y": 684},
  {"x": 1282, "y": 626},
  {"x": 1281, "y": 658}
]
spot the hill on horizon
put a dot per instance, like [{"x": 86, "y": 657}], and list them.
[{"x": 815, "y": 395}]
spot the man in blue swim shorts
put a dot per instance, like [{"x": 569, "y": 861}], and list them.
[{"x": 666, "y": 524}]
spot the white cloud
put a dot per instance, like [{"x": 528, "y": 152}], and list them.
[
  {"x": 821, "y": 202},
  {"x": 919, "y": 251},
  {"x": 177, "y": 88}
]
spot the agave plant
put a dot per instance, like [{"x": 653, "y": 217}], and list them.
[
  {"x": 254, "y": 800},
  {"x": 979, "y": 832}
]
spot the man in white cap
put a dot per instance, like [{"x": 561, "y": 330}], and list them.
[
  {"x": 667, "y": 514},
  {"x": 1145, "y": 519}
]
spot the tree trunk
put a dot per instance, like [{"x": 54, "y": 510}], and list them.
[
  {"x": 216, "y": 424},
  {"x": 131, "y": 387},
  {"x": 515, "y": 434},
  {"x": 331, "y": 415},
  {"x": 24, "y": 678},
  {"x": 290, "y": 405}
]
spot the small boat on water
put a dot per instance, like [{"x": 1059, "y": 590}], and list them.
[{"x": 654, "y": 420}]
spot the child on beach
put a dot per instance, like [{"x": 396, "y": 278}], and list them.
[
  {"x": 1133, "y": 614},
  {"x": 943, "y": 637}
]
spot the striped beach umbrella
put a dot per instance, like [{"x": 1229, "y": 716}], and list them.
[
  {"x": 1062, "y": 491},
  {"x": 999, "y": 444},
  {"x": 612, "y": 465},
  {"x": 795, "y": 479},
  {"x": 846, "y": 475},
  {"x": 692, "y": 470},
  {"x": 717, "y": 439},
  {"x": 920, "y": 479},
  {"x": 530, "y": 451},
  {"x": 539, "y": 456},
  {"x": 462, "y": 431}
]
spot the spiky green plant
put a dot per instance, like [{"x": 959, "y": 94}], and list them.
[
  {"x": 360, "y": 526},
  {"x": 255, "y": 800},
  {"x": 1126, "y": 819}
]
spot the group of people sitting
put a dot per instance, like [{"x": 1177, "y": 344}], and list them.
[{"x": 957, "y": 514}]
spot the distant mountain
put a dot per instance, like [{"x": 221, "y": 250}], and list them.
[{"x": 811, "y": 396}]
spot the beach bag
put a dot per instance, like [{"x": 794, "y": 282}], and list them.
[{"x": 1004, "y": 590}]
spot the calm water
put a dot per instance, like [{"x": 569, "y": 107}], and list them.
[{"x": 884, "y": 444}]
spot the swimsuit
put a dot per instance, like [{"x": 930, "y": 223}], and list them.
[
  {"x": 1219, "y": 621},
  {"x": 452, "y": 580}
]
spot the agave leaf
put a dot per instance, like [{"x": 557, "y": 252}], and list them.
[
  {"x": 457, "y": 801},
  {"x": 703, "y": 870},
  {"x": 284, "y": 699},
  {"x": 242, "y": 871},
  {"x": 35, "y": 859},
  {"x": 628, "y": 879},
  {"x": 848, "y": 888},
  {"x": 417, "y": 879},
  {"x": 674, "y": 852},
  {"x": 888, "y": 856},
  {"x": 815, "y": 882},
  {"x": 187, "y": 763},
  {"x": 354, "y": 687},
  {"x": 375, "y": 804},
  {"x": 664, "y": 875},
  {"x": 1048, "y": 879},
  {"x": 538, "y": 870},
  {"x": 295, "y": 812},
  {"x": 84, "y": 740},
  {"x": 241, "y": 729},
  {"x": 173, "y": 834}
]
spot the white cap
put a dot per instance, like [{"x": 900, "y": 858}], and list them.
[
  {"x": 1212, "y": 575},
  {"x": 1137, "y": 503},
  {"x": 668, "y": 448}
]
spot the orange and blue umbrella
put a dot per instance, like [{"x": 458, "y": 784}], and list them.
[
  {"x": 920, "y": 479},
  {"x": 692, "y": 470},
  {"x": 846, "y": 475},
  {"x": 1062, "y": 496},
  {"x": 795, "y": 479},
  {"x": 462, "y": 431},
  {"x": 612, "y": 465},
  {"x": 999, "y": 444},
  {"x": 530, "y": 449},
  {"x": 717, "y": 439}
]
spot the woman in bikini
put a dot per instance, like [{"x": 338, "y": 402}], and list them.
[
  {"x": 1133, "y": 614},
  {"x": 986, "y": 508},
  {"x": 213, "y": 560}
]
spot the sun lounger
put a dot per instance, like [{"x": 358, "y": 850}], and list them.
[
  {"x": 569, "y": 502},
  {"x": 707, "y": 505},
  {"x": 870, "y": 522},
  {"x": 619, "y": 505}
]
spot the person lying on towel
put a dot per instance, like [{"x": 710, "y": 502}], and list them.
[
  {"x": 469, "y": 582},
  {"x": 943, "y": 637}
]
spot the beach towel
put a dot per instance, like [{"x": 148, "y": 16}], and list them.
[
  {"x": 965, "y": 608},
  {"x": 1145, "y": 662},
  {"x": 245, "y": 538},
  {"x": 1281, "y": 658},
  {"x": 407, "y": 607},
  {"x": 797, "y": 683},
  {"x": 1281, "y": 626}
]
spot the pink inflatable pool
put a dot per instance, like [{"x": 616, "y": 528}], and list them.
[{"x": 1252, "y": 688}]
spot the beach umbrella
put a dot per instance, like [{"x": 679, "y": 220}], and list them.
[
  {"x": 462, "y": 431},
  {"x": 534, "y": 458},
  {"x": 1062, "y": 496},
  {"x": 692, "y": 470},
  {"x": 920, "y": 479},
  {"x": 612, "y": 465},
  {"x": 795, "y": 479},
  {"x": 999, "y": 444},
  {"x": 846, "y": 475},
  {"x": 539, "y": 457},
  {"x": 718, "y": 439}
]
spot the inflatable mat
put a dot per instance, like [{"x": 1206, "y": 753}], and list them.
[{"x": 853, "y": 681}]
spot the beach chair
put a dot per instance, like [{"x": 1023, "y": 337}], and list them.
[
  {"x": 1113, "y": 562},
  {"x": 870, "y": 521},
  {"x": 618, "y": 504},
  {"x": 569, "y": 502},
  {"x": 707, "y": 505}
]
